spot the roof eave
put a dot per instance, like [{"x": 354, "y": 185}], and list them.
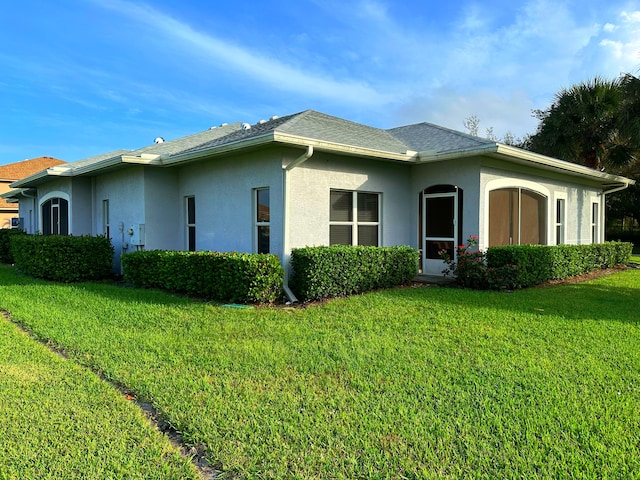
[
  {"x": 291, "y": 140},
  {"x": 518, "y": 155}
]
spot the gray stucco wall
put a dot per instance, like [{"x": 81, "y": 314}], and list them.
[
  {"x": 125, "y": 191},
  {"x": 463, "y": 173},
  {"x": 162, "y": 209},
  {"x": 311, "y": 182},
  {"x": 80, "y": 206},
  {"x": 224, "y": 192}
]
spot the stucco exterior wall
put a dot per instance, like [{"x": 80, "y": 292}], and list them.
[
  {"x": 463, "y": 173},
  {"x": 125, "y": 191},
  {"x": 224, "y": 190},
  {"x": 311, "y": 182},
  {"x": 161, "y": 209},
  {"x": 80, "y": 206}
]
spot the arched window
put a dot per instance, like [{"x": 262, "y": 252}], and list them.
[
  {"x": 517, "y": 216},
  {"x": 55, "y": 217}
]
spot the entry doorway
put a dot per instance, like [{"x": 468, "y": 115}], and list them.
[{"x": 441, "y": 222}]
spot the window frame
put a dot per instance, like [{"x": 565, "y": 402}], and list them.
[
  {"x": 594, "y": 213},
  {"x": 262, "y": 221},
  {"x": 190, "y": 223},
  {"x": 106, "y": 228},
  {"x": 54, "y": 216},
  {"x": 355, "y": 222},
  {"x": 560, "y": 224}
]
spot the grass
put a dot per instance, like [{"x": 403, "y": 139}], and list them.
[
  {"x": 58, "y": 420},
  {"x": 409, "y": 383}
]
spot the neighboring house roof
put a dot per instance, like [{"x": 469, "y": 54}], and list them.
[
  {"x": 419, "y": 143},
  {"x": 17, "y": 170}
]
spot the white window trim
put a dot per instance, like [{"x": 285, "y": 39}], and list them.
[
  {"x": 186, "y": 222},
  {"x": 354, "y": 215},
  {"x": 563, "y": 224},
  {"x": 55, "y": 194},
  {"x": 257, "y": 223},
  {"x": 597, "y": 237},
  {"x": 106, "y": 227}
]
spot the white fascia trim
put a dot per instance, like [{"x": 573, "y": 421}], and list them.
[
  {"x": 144, "y": 159},
  {"x": 24, "y": 182},
  {"x": 293, "y": 140},
  {"x": 523, "y": 156},
  {"x": 408, "y": 156}
]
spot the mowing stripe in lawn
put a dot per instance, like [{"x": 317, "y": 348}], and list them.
[{"x": 24, "y": 371}]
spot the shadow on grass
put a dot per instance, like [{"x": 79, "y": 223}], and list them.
[
  {"x": 110, "y": 289},
  {"x": 612, "y": 298}
]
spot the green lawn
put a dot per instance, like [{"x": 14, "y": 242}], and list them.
[
  {"x": 59, "y": 421},
  {"x": 410, "y": 383}
]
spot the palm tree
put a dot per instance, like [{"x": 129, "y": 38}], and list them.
[{"x": 582, "y": 125}]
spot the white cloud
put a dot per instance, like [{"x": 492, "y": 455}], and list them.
[{"x": 261, "y": 68}]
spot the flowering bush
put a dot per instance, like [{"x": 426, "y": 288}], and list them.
[{"x": 470, "y": 268}]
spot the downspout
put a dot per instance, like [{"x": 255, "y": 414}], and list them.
[
  {"x": 603, "y": 218},
  {"x": 286, "y": 250}
]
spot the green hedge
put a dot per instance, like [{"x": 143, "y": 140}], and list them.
[
  {"x": 63, "y": 258},
  {"x": 540, "y": 263},
  {"x": 323, "y": 272},
  {"x": 226, "y": 277},
  {"x": 5, "y": 243}
]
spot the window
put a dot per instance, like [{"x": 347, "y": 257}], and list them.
[
  {"x": 354, "y": 218},
  {"x": 190, "y": 216},
  {"x": 595, "y": 230},
  {"x": 517, "y": 217},
  {"x": 560, "y": 220},
  {"x": 105, "y": 219},
  {"x": 55, "y": 217},
  {"x": 263, "y": 220}
]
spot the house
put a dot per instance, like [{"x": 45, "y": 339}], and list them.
[
  {"x": 15, "y": 171},
  {"x": 313, "y": 179}
]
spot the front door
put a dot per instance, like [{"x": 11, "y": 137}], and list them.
[{"x": 440, "y": 227}]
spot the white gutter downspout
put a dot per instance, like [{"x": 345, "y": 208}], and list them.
[{"x": 286, "y": 250}]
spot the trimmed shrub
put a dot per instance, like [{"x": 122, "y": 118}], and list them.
[
  {"x": 339, "y": 270},
  {"x": 63, "y": 258},
  {"x": 540, "y": 263},
  {"x": 219, "y": 276},
  {"x": 5, "y": 243}
]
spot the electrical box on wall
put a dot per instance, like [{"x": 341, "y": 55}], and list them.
[
  {"x": 17, "y": 223},
  {"x": 136, "y": 232}
]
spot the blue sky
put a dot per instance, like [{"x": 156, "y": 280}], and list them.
[{"x": 83, "y": 77}]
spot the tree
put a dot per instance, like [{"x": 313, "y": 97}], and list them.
[{"x": 596, "y": 124}]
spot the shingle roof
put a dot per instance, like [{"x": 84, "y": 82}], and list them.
[
  {"x": 180, "y": 145},
  {"x": 429, "y": 137},
  {"x": 18, "y": 170},
  {"x": 316, "y": 126}
]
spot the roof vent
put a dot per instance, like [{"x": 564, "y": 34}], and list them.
[
  {"x": 213, "y": 128},
  {"x": 275, "y": 117},
  {"x": 246, "y": 126},
  {"x": 262, "y": 121},
  {"x": 224, "y": 124},
  {"x": 159, "y": 140}
]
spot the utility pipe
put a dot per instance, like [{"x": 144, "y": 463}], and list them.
[{"x": 286, "y": 249}]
